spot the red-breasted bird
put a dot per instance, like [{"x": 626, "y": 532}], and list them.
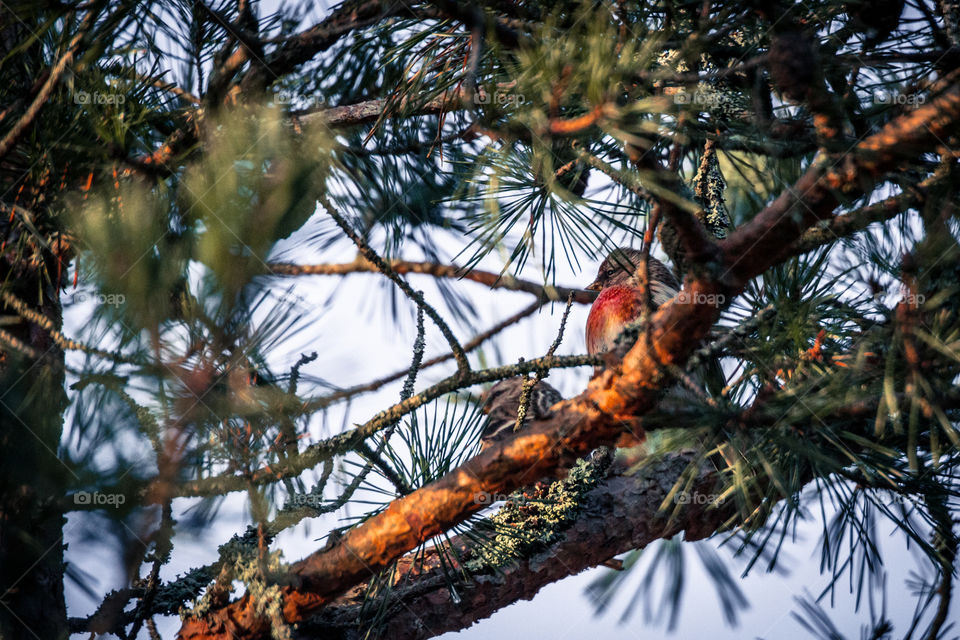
[
  {"x": 501, "y": 403},
  {"x": 619, "y": 302}
]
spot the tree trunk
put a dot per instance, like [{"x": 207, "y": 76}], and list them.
[{"x": 32, "y": 399}]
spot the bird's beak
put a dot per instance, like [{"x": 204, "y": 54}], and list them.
[{"x": 594, "y": 286}]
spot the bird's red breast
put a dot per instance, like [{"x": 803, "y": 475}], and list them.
[{"x": 612, "y": 311}]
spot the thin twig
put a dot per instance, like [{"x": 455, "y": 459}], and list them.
[
  {"x": 347, "y": 441},
  {"x": 402, "y": 267},
  {"x": 406, "y": 392},
  {"x": 526, "y": 388},
  {"x": 65, "y": 343},
  {"x": 708, "y": 351},
  {"x": 463, "y": 365},
  {"x": 472, "y": 344}
]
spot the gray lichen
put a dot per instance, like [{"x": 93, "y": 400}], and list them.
[
  {"x": 709, "y": 188},
  {"x": 535, "y": 518},
  {"x": 266, "y": 597}
]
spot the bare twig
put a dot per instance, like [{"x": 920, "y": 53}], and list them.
[
  {"x": 402, "y": 267},
  {"x": 463, "y": 365},
  {"x": 469, "y": 346},
  {"x": 526, "y": 389}
]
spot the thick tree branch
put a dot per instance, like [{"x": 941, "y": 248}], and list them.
[
  {"x": 348, "y": 17},
  {"x": 622, "y": 513},
  {"x": 695, "y": 246},
  {"x": 821, "y": 187},
  {"x": 351, "y": 115},
  {"x": 849, "y": 223}
]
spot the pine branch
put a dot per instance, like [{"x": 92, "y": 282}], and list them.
[
  {"x": 820, "y": 189},
  {"x": 65, "y": 343},
  {"x": 474, "y": 18},
  {"x": 347, "y": 441},
  {"x": 847, "y": 224},
  {"x": 670, "y": 201},
  {"x": 351, "y": 115},
  {"x": 350, "y": 16},
  {"x": 528, "y": 384},
  {"x": 622, "y": 513},
  {"x": 26, "y": 120},
  {"x": 293, "y": 465}
]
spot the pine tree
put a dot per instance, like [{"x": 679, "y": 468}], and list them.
[{"x": 174, "y": 173}]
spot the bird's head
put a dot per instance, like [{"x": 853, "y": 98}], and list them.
[
  {"x": 617, "y": 269},
  {"x": 502, "y": 393}
]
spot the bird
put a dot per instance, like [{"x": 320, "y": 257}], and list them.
[
  {"x": 619, "y": 302},
  {"x": 501, "y": 403}
]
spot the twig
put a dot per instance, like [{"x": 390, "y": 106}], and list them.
[
  {"x": 18, "y": 345},
  {"x": 850, "y": 223},
  {"x": 463, "y": 365},
  {"x": 703, "y": 354},
  {"x": 526, "y": 388},
  {"x": 174, "y": 89},
  {"x": 627, "y": 181},
  {"x": 59, "y": 338},
  {"x": 405, "y": 393},
  {"x": 348, "y": 440},
  {"x": 469, "y": 346},
  {"x": 401, "y": 267}
]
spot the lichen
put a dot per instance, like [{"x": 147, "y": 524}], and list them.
[
  {"x": 170, "y": 598},
  {"x": 709, "y": 189},
  {"x": 534, "y": 518},
  {"x": 265, "y": 597}
]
